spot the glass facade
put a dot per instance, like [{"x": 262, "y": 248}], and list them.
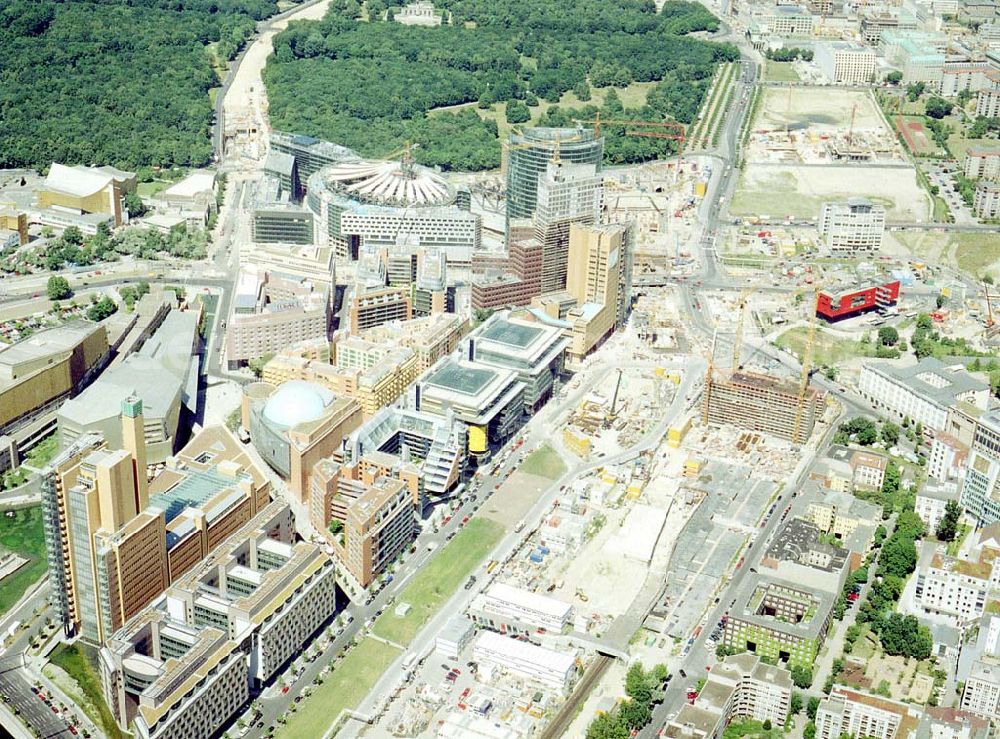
[{"x": 529, "y": 154}]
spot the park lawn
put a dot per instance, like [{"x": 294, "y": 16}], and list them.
[
  {"x": 344, "y": 687},
  {"x": 436, "y": 582},
  {"x": 80, "y": 663},
  {"x": 22, "y": 533},
  {"x": 152, "y": 189},
  {"x": 780, "y": 72},
  {"x": 828, "y": 350},
  {"x": 543, "y": 462}
]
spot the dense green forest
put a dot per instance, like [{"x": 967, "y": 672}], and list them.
[
  {"x": 369, "y": 85},
  {"x": 122, "y": 82}
]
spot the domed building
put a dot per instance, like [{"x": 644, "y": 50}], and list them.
[
  {"x": 295, "y": 424},
  {"x": 397, "y": 205}
]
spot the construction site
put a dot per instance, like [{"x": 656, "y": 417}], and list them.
[{"x": 808, "y": 145}]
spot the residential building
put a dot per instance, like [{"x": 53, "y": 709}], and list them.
[
  {"x": 546, "y": 667},
  {"x": 922, "y": 393},
  {"x": 512, "y": 610},
  {"x": 986, "y": 199},
  {"x": 163, "y": 373},
  {"x": 431, "y": 338},
  {"x": 534, "y": 351},
  {"x": 852, "y": 226},
  {"x": 939, "y": 722},
  {"x": 838, "y": 513},
  {"x": 857, "y": 714},
  {"x": 529, "y": 154},
  {"x": 74, "y": 193},
  {"x": 947, "y": 457},
  {"x": 371, "y": 309},
  {"x": 844, "y": 63},
  {"x": 801, "y": 553},
  {"x": 931, "y": 501},
  {"x": 39, "y": 373},
  {"x": 380, "y": 526},
  {"x": 779, "y": 619},
  {"x": 955, "y": 589},
  {"x": 185, "y": 665},
  {"x": 982, "y": 163},
  {"x": 516, "y": 283},
  {"x": 980, "y": 494},
  {"x": 869, "y": 470},
  {"x": 741, "y": 687},
  {"x": 763, "y": 403},
  {"x": 295, "y": 425},
  {"x": 272, "y": 311},
  {"x": 988, "y": 103},
  {"x": 436, "y": 445}
]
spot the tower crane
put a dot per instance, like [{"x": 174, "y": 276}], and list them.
[
  {"x": 807, "y": 353},
  {"x": 738, "y": 341},
  {"x": 660, "y": 130}
]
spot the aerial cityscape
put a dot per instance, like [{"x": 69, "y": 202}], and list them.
[{"x": 500, "y": 370}]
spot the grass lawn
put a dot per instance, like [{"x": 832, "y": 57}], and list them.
[
  {"x": 436, "y": 582},
  {"x": 22, "y": 533},
  {"x": 346, "y": 686},
  {"x": 152, "y": 189},
  {"x": 544, "y": 462},
  {"x": 780, "y": 72},
  {"x": 80, "y": 662},
  {"x": 43, "y": 452},
  {"x": 942, "y": 213},
  {"x": 956, "y": 543},
  {"x": 828, "y": 349}
]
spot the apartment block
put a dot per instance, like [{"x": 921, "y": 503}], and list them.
[
  {"x": 858, "y": 714},
  {"x": 953, "y": 588},
  {"x": 868, "y": 470},
  {"x": 379, "y": 527},
  {"x": 923, "y": 393},
  {"x": 372, "y": 309},
  {"x": 431, "y": 338},
  {"x": 982, "y": 163},
  {"x": 852, "y": 226},
  {"x": 988, "y": 103},
  {"x": 741, "y": 687},
  {"x": 931, "y": 501},
  {"x": 947, "y": 458},
  {"x": 763, "y": 403},
  {"x": 980, "y": 493},
  {"x": 186, "y": 664},
  {"x": 986, "y": 199}
]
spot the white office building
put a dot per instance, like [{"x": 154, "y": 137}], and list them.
[
  {"x": 923, "y": 392},
  {"x": 844, "y": 63},
  {"x": 536, "y": 664},
  {"x": 508, "y": 609},
  {"x": 853, "y": 225}
]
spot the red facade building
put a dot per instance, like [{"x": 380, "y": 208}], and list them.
[{"x": 836, "y": 305}]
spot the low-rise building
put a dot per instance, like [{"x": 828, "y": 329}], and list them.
[
  {"x": 931, "y": 502},
  {"x": 512, "y": 610},
  {"x": 546, "y": 667},
  {"x": 869, "y": 470},
  {"x": 452, "y": 640},
  {"x": 858, "y": 714}
]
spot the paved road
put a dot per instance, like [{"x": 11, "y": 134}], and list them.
[{"x": 16, "y": 690}]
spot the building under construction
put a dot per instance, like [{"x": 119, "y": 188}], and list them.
[{"x": 763, "y": 403}]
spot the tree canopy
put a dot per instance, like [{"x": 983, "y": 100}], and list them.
[
  {"x": 373, "y": 85},
  {"x": 113, "y": 82}
]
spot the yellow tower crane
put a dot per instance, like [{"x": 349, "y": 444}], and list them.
[{"x": 807, "y": 353}]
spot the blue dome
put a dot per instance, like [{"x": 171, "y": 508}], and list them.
[{"x": 295, "y": 402}]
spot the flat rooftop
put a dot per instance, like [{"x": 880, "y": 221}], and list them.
[
  {"x": 461, "y": 378},
  {"x": 512, "y": 334}
]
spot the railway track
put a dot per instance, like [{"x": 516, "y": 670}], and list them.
[{"x": 564, "y": 718}]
